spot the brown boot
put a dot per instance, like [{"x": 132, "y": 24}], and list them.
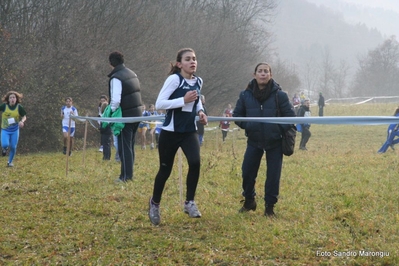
[{"x": 249, "y": 205}]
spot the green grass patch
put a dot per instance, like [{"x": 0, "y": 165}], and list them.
[{"x": 338, "y": 198}]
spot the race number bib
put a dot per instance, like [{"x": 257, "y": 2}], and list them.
[{"x": 11, "y": 121}]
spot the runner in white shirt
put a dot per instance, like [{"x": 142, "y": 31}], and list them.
[{"x": 67, "y": 110}]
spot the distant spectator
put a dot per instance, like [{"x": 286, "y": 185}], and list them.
[
  {"x": 321, "y": 104},
  {"x": 296, "y": 102},
  {"x": 304, "y": 111},
  {"x": 103, "y": 99},
  {"x": 302, "y": 97}
]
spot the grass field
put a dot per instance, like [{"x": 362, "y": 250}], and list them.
[{"x": 338, "y": 205}]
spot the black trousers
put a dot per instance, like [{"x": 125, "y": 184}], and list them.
[
  {"x": 305, "y": 137},
  {"x": 250, "y": 166},
  {"x": 224, "y": 134},
  {"x": 169, "y": 143},
  {"x": 321, "y": 110},
  {"x": 106, "y": 143},
  {"x": 126, "y": 141}
]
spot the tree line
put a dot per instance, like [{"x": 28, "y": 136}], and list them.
[{"x": 51, "y": 49}]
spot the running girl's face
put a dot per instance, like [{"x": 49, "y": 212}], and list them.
[
  {"x": 188, "y": 64},
  {"x": 12, "y": 99},
  {"x": 68, "y": 103},
  {"x": 263, "y": 74}
]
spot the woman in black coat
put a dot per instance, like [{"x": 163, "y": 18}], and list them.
[{"x": 261, "y": 99}]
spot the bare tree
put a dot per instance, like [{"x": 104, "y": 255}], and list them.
[
  {"x": 60, "y": 48},
  {"x": 310, "y": 76},
  {"x": 286, "y": 75},
  {"x": 339, "y": 84},
  {"x": 327, "y": 71},
  {"x": 378, "y": 72}
]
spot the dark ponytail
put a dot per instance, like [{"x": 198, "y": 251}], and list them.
[{"x": 174, "y": 68}]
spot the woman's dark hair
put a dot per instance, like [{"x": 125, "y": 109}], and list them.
[
  {"x": 116, "y": 58},
  {"x": 6, "y": 98},
  {"x": 396, "y": 111},
  {"x": 256, "y": 68},
  {"x": 251, "y": 83},
  {"x": 174, "y": 69}
]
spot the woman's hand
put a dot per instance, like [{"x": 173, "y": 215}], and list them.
[
  {"x": 21, "y": 124},
  {"x": 203, "y": 119},
  {"x": 190, "y": 96}
]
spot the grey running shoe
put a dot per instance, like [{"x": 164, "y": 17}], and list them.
[
  {"x": 154, "y": 213},
  {"x": 10, "y": 165},
  {"x": 4, "y": 151},
  {"x": 191, "y": 209}
]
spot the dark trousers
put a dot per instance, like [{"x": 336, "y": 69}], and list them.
[
  {"x": 224, "y": 134},
  {"x": 250, "y": 167},
  {"x": 169, "y": 143},
  {"x": 126, "y": 141},
  {"x": 305, "y": 137},
  {"x": 106, "y": 143},
  {"x": 321, "y": 110}
]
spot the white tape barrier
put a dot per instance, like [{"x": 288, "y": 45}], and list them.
[
  {"x": 360, "y": 100},
  {"x": 332, "y": 120},
  {"x": 215, "y": 128}
]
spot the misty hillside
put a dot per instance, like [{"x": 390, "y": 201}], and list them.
[
  {"x": 385, "y": 20},
  {"x": 305, "y": 31}
]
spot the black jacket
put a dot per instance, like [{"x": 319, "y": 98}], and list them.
[
  {"x": 301, "y": 113},
  {"x": 263, "y": 135},
  {"x": 131, "y": 104},
  {"x": 321, "y": 101}
]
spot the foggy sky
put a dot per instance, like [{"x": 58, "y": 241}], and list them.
[
  {"x": 386, "y": 4},
  {"x": 380, "y": 14}
]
